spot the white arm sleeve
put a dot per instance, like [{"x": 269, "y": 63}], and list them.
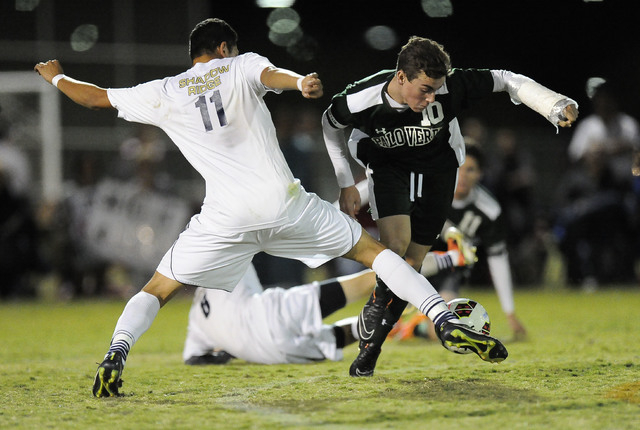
[
  {"x": 501, "y": 277},
  {"x": 334, "y": 139},
  {"x": 525, "y": 90}
]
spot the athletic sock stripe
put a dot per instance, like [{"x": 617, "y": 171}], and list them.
[
  {"x": 121, "y": 347},
  {"x": 444, "y": 261},
  {"x": 442, "y": 317},
  {"x": 429, "y": 303}
]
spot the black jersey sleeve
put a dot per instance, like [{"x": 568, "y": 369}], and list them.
[
  {"x": 338, "y": 113},
  {"x": 366, "y": 92},
  {"x": 468, "y": 87}
]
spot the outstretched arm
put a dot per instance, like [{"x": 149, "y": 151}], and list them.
[
  {"x": 560, "y": 110},
  {"x": 282, "y": 79},
  {"x": 83, "y": 93},
  {"x": 502, "y": 282}
]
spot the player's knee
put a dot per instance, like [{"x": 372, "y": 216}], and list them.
[
  {"x": 365, "y": 250},
  {"x": 162, "y": 288},
  {"x": 398, "y": 245},
  {"x": 413, "y": 262}
]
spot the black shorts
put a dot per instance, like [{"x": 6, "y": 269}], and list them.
[{"x": 425, "y": 196}]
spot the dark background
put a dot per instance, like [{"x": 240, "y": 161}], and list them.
[{"x": 559, "y": 43}]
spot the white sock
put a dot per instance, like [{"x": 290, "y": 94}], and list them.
[
  {"x": 434, "y": 262},
  {"x": 136, "y": 319},
  {"x": 411, "y": 286}
]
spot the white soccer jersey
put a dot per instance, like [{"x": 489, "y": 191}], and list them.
[
  {"x": 216, "y": 115},
  {"x": 270, "y": 327}
]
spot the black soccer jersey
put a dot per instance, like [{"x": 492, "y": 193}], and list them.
[
  {"x": 430, "y": 139},
  {"x": 480, "y": 218}
]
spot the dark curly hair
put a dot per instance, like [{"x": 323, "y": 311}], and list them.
[{"x": 423, "y": 55}]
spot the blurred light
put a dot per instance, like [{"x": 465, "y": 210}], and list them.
[
  {"x": 381, "y": 37},
  {"x": 145, "y": 235},
  {"x": 283, "y": 20},
  {"x": 593, "y": 84},
  {"x": 284, "y": 27},
  {"x": 84, "y": 37},
  {"x": 437, "y": 8},
  {"x": 285, "y": 39},
  {"x": 26, "y": 5},
  {"x": 275, "y": 3}
]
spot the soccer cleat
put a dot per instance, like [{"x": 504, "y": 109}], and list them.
[
  {"x": 376, "y": 320},
  {"x": 460, "y": 339},
  {"x": 456, "y": 241},
  {"x": 214, "y": 357},
  {"x": 107, "y": 379},
  {"x": 370, "y": 320},
  {"x": 365, "y": 362}
]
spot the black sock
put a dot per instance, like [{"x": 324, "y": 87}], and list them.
[
  {"x": 332, "y": 297},
  {"x": 340, "y": 336}
]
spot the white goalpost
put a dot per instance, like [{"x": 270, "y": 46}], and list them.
[{"x": 50, "y": 127}]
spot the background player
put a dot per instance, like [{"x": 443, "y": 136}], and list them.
[
  {"x": 273, "y": 325},
  {"x": 215, "y": 113},
  {"x": 478, "y": 215},
  {"x": 412, "y": 149}
]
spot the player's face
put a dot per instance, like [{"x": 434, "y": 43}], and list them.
[
  {"x": 469, "y": 175},
  {"x": 420, "y": 91}
]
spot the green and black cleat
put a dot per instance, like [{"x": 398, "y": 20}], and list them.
[
  {"x": 461, "y": 339},
  {"x": 107, "y": 381}
]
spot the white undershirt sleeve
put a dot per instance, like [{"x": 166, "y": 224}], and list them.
[
  {"x": 525, "y": 90},
  {"x": 335, "y": 141},
  {"x": 502, "y": 282}
]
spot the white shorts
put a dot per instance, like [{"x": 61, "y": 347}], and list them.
[{"x": 205, "y": 257}]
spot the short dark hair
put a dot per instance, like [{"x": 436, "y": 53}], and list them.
[
  {"x": 423, "y": 55},
  {"x": 475, "y": 150},
  {"x": 207, "y": 35}
]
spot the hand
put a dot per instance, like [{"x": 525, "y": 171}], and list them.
[
  {"x": 519, "y": 332},
  {"x": 571, "y": 114},
  {"x": 49, "y": 69},
  {"x": 312, "y": 86},
  {"x": 350, "y": 201}
]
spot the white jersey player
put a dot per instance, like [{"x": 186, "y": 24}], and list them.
[
  {"x": 273, "y": 325},
  {"x": 215, "y": 113}
]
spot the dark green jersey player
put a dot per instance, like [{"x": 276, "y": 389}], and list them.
[
  {"x": 409, "y": 140},
  {"x": 477, "y": 213}
]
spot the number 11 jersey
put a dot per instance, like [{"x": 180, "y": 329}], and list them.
[{"x": 216, "y": 115}]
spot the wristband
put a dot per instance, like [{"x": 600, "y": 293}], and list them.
[
  {"x": 299, "y": 83},
  {"x": 56, "y": 79}
]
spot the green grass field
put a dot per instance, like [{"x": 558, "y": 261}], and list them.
[{"x": 580, "y": 369}]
